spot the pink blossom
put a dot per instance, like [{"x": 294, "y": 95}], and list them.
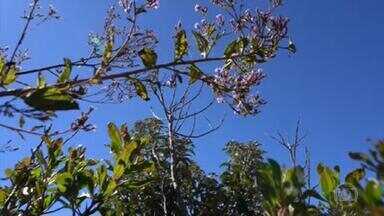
[{"x": 153, "y": 4}]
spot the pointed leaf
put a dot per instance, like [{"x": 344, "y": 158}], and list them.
[
  {"x": 10, "y": 75},
  {"x": 2, "y": 63},
  {"x": 148, "y": 57},
  {"x": 312, "y": 193},
  {"x": 202, "y": 43},
  {"x": 115, "y": 136},
  {"x": 329, "y": 180},
  {"x": 51, "y": 99},
  {"x": 194, "y": 74},
  {"x": 63, "y": 181},
  {"x": 181, "y": 45},
  {"x": 355, "y": 176},
  {"x": 107, "y": 55},
  {"x": 141, "y": 90},
  {"x": 236, "y": 47},
  {"x": 276, "y": 170},
  {"x": 41, "y": 83},
  {"x": 66, "y": 74}
]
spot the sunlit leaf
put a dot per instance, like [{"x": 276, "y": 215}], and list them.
[
  {"x": 41, "y": 83},
  {"x": 194, "y": 73},
  {"x": 3, "y": 196},
  {"x": 66, "y": 74},
  {"x": 329, "y": 180},
  {"x": 148, "y": 57},
  {"x": 355, "y": 176},
  {"x": 8, "y": 72},
  {"x": 373, "y": 193},
  {"x": 51, "y": 99},
  {"x": 236, "y": 47},
  {"x": 181, "y": 45},
  {"x": 114, "y": 135},
  {"x": 101, "y": 175},
  {"x": 107, "y": 55},
  {"x": 110, "y": 188},
  {"x": 141, "y": 90},
  {"x": 119, "y": 168},
  {"x": 10, "y": 76},
  {"x": 63, "y": 181},
  {"x": 2, "y": 63},
  {"x": 202, "y": 43},
  {"x": 129, "y": 151}
]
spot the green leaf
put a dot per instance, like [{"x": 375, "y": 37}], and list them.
[
  {"x": 293, "y": 181},
  {"x": 329, "y": 180},
  {"x": 181, "y": 45},
  {"x": 7, "y": 72},
  {"x": 101, "y": 175},
  {"x": 2, "y": 63},
  {"x": 128, "y": 152},
  {"x": 276, "y": 170},
  {"x": 3, "y": 196},
  {"x": 9, "y": 173},
  {"x": 202, "y": 43},
  {"x": 312, "y": 193},
  {"x": 236, "y": 47},
  {"x": 141, "y": 90},
  {"x": 66, "y": 74},
  {"x": 41, "y": 83},
  {"x": 110, "y": 188},
  {"x": 373, "y": 193},
  {"x": 148, "y": 57},
  {"x": 355, "y": 176},
  {"x": 114, "y": 135},
  {"x": 107, "y": 55},
  {"x": 51, "y": 99},
  {"x": 10, "y": 75},
  {"x": 194, "y": 74},
  {"x": 359, "y": 156},
  {"x": 119, "y": 168},
  {"x": 63, "y": 181}
]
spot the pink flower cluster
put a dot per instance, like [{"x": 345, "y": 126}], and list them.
[
  {"x": 153, "y": 4},
  {"x": 235, "y": 88},
  {"x": 150, "y": 4}
]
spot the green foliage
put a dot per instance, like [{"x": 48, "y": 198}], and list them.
[
  {"x": 181, "y": 45},
  {"x": 194, "y": 74},
  {"x": 141, "y": 90},
  {"x": 202, "y": 43},
  {"x": 51, "y": 99},
  {"x": 148, "y": 57},
  {"x": 136, "y": 181},
  {"x": 66, "y": 74},
  {"x": 236, "y": 47},
  {"x": 44, "y": 182},
  {"x": 329, "y": 180},
  {"x": 284, "y": 190},
  {"x": 7, "y": 72},
  {"x": 372, "y": 161},
  {"x": 107, "y": 55}
]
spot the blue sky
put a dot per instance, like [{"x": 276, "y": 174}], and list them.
[{"x": 334, "y": 84}]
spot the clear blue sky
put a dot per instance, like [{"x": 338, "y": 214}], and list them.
[{"x": 334, "y": 83}]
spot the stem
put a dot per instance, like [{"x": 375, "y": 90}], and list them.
[
  {"x": 171, "y": 151},
  {"x": 24, "y": 32},
  {"x": 19, "y": 92}
]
